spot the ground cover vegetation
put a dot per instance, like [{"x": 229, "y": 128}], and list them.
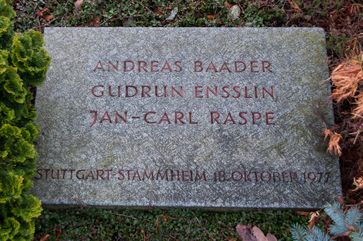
[{"x": 343, "y": 22}]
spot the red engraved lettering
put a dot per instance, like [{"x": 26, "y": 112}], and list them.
[
  {"x": 214, "y": 117},
  {"x": 269, "y": 118},
  {"x": 99, "y": 66},
  {"x": 128, "y": 65},
  {"x": 198, "y": 66},
  {"x": 94, "y": 117},
  {"x": 97, "y": 94},
  {"x": 255, "y": 117},
  {"x": 146, "y": 116},
  {"x": 142, "y": 66},
  {"x": 239, "y": 66},
  {"x": 266, "y": 65},
  {"x": 179, "y": 118},
  {"x": 254, "y": 66},
  {"x": 154, "y": 66}
]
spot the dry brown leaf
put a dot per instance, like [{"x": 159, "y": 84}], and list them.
[
  {"x": 249, "y": 233},
  {"x": 41, "y": 12},
  {"x": 95, "y": 22},
  {"x": 294, "y": 6},
  {"x": 227, "y": 5},
  {"x": 78, "y": 5},
  {"x": 346, "y": 78},
  {"x": 48, "y": 18},
  {"x": 211, "y": 17},
  {"x": 358, "y": 183},
  {"x": 45, "y": 237},
  {"x": 158, "y": 11},
  {"x": 334, "y": 139},
  {"x": 245, "y": 232},
  {"x": 260, "y": 236},
  {"x": 271, "y": 237},
  {"x": 314, "y": 216}
]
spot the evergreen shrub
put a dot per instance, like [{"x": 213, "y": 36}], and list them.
[{"x": 23, "y": 65}]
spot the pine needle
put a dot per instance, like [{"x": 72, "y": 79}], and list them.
[
  {"x": 334, "y": 139},
  {"x": 358, "y": 110},
  {"x": 346, "y": 78}
]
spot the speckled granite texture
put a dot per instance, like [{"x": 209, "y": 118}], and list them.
[{"x": 186, "y": 117}]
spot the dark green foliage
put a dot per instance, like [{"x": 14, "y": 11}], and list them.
[
  {"x": 157, "y": 224},
  {"x": 345, "y": 223},
  {"x": 23, "y": 64},
  {"x": 6, "y": 23},
  {"x": 260, "y": 17}
]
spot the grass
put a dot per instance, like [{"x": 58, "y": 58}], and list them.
[
  {"x": 158, "y": 224},
  {"x": 177, "y": 224}
]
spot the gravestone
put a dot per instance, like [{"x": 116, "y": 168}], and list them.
[{"x": 186, "y": 117}]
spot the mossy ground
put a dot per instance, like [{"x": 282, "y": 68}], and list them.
[{"x": 336, "y": 17}]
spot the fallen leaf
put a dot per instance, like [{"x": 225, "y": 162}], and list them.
[
  {"x": 78, "y": 5},
  {"x": 314, "y": 216},
  {"x": 227, "y": 5},
  {"x": 234, "y": 12},
  {"x": 95, "y": 22},
  {"x": 358, "y": 183},
  {"x": 271, "y": 237},
  {"x": 48, "y": 18},
  {"x": 294, "y": 6},
  {"x": 211, "y": 17},
  {"x": 158, "y": 11},
  {"x": 45, "y": 237},
  {"x": 41, "y": 12},
  {"x": 245, "y": 232},
  {"x": 173, "y": 14},
  {"x": 258, "y": 234},
  {"x": 249, "y": 233}
]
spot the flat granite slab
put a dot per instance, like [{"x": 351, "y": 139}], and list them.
[{"x": 186, "y": 117}]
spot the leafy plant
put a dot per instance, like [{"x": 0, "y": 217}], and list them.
[
  {"x": 23, "y": 64},
  {"x": 260, "y": 17},
  {"x": 345, "y": 224}
]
